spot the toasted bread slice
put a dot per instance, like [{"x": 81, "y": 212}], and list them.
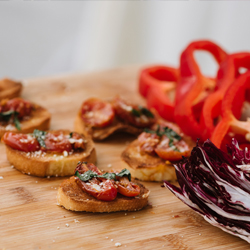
[
  {"x": 71, "y": 197},
  {"x": 99, "y": 134},
  {"x": 39, "y": 119},
  {"x": 146, "y": 167},
  {"x": 49, "y": 164},
  {"x": 10, "y": 89}
]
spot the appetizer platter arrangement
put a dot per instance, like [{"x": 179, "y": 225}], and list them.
[{"x": 111, "y": 159}]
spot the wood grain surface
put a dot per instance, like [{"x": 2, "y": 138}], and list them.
[{"x": 31, "y": 219}]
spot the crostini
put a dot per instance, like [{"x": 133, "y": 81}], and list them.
[
  {"x": 102, "y": 118},
  {"x": 150, "y": 156},
  {"x": 52, "y": 153},
  {"x": 9, "y": 88},
  {"x": 19, "y": 115},
  {"x": 92, "y": 191}
]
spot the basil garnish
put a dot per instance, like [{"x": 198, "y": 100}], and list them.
[
  {"x": 109, "y": 176},
  {"x": 40, "y": 136},
  {"x": 170, "y": 133},
  {"x": 6, "y": 116},
  {"x": 142, "y": 111}
]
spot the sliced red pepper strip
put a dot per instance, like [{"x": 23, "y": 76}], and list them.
[
  {"x": 227, "y": 73},
  {"x": 192, "y": 86},
  {"x": 156, "y": 83},
  {"x": 232, "y": 103}
]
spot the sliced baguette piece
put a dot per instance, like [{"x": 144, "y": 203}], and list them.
[
  {"x": 49, "y": 164},
  {"x": 71, "y": 197},
  {"x": 99, "y": 134},
  {"x": 146, "y": 167},
  {"x": 39, "y": 119},
  {"x": 9, "y": 88}
]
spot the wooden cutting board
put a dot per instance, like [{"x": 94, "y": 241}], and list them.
[{"x": 30, "y": 218}]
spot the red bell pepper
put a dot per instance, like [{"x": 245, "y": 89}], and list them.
[
  {"x": 193, "y": 87},
  {"x": 155, "y": 76},
  {"x": 157, "y": 83},
  {"x": 227, "y": 73},
  {"x": 231, "y": 106}
]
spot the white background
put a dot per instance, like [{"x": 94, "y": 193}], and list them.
[{"x": 39, "y": 38}]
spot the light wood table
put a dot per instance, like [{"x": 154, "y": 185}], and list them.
[{"x": 30, "y": 218}]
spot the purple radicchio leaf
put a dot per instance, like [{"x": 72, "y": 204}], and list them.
[{"x": 215, "y": 185}]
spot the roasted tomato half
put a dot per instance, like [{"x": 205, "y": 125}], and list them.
[
  {"x": 24, "y": 108},
  {"x": 97, "y": 113},
  {"x": 172, "y": 151},
  {"x": 22, "y": 142},
  {"x": 100, "y": 188},
  {"x": 135, "y": 115},
  {"x": 127, "y": 188}
]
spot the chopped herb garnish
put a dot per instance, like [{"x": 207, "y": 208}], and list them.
[
  {"x": 7, "y": 115},
  {"x": 16, "y": 122},
  {"x": 147, "y": 112},
  {"x": 125, "y": 172},
  {"x": 142, "y": 111},
  {"x": 136, "y": 112},
  {"x": 40, "y": 136},
  {"x": 70, "y": 135},
  {"x": 170, "y": 133},
  {"x": 109, "y": 176}
]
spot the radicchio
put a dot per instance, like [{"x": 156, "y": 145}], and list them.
[{"x": 217, "y": 186}]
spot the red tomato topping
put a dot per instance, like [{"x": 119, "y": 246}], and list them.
[
  {"x": 97, "y": 113},
  {"x": 57, "y": 141},
  {"x": 100, "y": 188},
  {"x": 148, "y": 142},
  {"x": 19, "y": 105},
  {"x": 136, "y": 115},
  {"x": 127, "y": 188},
  {"x": 22, "y": 142},
  {"x": 172, "y": 153}
]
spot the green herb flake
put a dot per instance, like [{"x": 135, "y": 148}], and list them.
[
  {"x": 109, "y": 176},
  {"x": 40, "y": 136},
  {"x": 70, "y": 134},
  {"x": 136, "y": 112},
  {"x": 125, "y": 173},
  {"x": 17, "y": 122},
  {"x": 146, "y": 112}
]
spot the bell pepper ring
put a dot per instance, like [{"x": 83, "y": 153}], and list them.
[
  {"x": 227, "y": 73},
  {"x": 231, "y": 105},
  {"x": 193, "y": 87}
]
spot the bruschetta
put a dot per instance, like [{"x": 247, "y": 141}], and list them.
[
  {"x": 151, "y": 155},
  {"x": 9, "y": 88},
  {"x": 102, "y": 118},
  {"x": 92, "y": 191},
  {"x": 19, "y": 115},
  {"x": 51, "y": 153}
]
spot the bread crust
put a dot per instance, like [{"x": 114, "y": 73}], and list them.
[
  {"x": 71, "y": 197},
  {"x": 9, "y": 88},
  {"x": 39, "y": 119},
  {"x": 146, "y": 167},
  {"x": 49, "y": 164},
  {"x": 99, "y": 134}
]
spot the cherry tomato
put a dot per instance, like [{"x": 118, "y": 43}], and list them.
[
  {"x": 19, "y": 105},
  {"x": 57, "y": 141},
  {"x": 148, "y": 142},
  {"x": 127, "y": 188},
  {"x": 172, "y": 153},
  {"x": 100, "y": 188},
  {"x": 97, "y": 113},
  {"x": 22, "y": 142},
  {"x": 135, "y": 115}
]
